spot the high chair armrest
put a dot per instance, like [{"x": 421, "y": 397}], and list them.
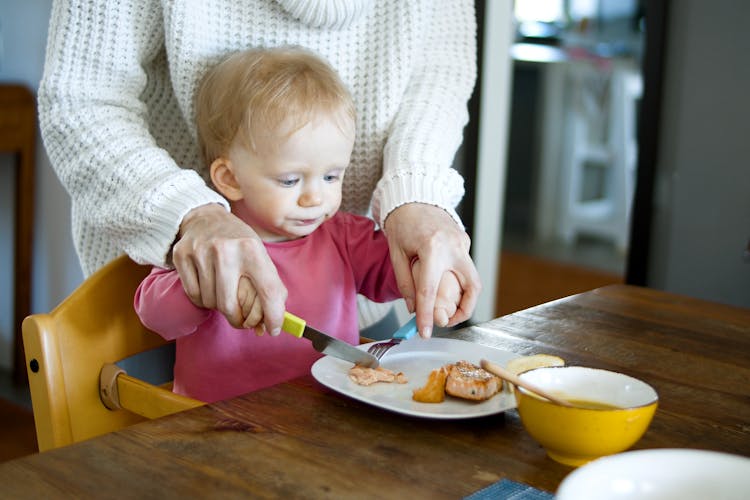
[{"x": 119, "y": 390}]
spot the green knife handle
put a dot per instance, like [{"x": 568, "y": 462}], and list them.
[{"x": 293, "y": 325}]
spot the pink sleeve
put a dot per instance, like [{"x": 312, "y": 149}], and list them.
[
  {"x": 162, "y": 305},
  {"x": 371, "y": 261}
]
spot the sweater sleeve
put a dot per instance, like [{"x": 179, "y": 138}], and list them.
[
  {"x": 429, "y": 125},
  {"x": 127, "y": 192},
  {"x": 162, "y": 305}
]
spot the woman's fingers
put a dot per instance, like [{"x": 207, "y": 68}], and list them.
[
  {"x": 215, "y": 249},
  {"x": 429, "y": 234}
]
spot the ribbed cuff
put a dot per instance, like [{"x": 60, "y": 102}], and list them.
[
  {"x": 444, "y": 191},
  {"x": 175, "y": 199}
]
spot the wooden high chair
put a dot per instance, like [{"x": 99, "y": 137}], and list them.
[{"x": 76, "y": 390}]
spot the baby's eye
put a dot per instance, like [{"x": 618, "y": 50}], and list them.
[
  {"x": 288, "y": 181},
  {"x": 332, "y": 176}
]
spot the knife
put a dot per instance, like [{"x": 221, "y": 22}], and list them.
[{"x": 326, "y": 344}]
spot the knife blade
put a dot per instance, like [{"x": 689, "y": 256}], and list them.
[{"x": 326, "y": 344}]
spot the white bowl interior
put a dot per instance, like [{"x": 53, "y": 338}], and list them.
[
  {"x": 660, "y": 474},
  {"x": 592, "y": 384}
]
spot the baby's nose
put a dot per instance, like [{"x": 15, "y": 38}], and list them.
[{"x": 310, "y": 197}]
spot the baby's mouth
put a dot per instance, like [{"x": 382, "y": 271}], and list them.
[{"x": 308, "y": 222}]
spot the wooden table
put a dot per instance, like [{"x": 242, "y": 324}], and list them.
[{"x": 301, "y": 440}]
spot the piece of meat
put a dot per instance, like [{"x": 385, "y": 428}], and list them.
[
  {"x": 368, "y": 376},
  {"x": 469, "y": 381}
]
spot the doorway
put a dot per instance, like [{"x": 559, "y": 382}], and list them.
[{"x": 572, "y": 148}]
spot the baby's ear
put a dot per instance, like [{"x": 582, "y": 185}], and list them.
[{"x": 224, "y": 180}]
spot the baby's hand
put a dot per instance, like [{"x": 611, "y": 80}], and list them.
[
  {"x": 250, "y": 306},
  {"x": 448, "y": 296},
  {"x": 448, "y": 299}
]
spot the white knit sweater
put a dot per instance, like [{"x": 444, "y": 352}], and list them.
[{"x": 115, "y": 104}]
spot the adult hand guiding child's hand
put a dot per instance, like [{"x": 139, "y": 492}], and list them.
[
  {"x": 429, "y": 233},
  {"x": 214, "y": 251}
]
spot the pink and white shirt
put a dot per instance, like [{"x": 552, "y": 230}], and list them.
[{"x": 323, "y": 273}]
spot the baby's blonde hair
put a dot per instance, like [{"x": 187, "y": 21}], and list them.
[{"x": 263, "y": 96}]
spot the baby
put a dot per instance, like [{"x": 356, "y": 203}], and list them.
[{"x": 277, "y": 128}]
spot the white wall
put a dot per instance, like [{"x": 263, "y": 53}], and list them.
[
  {"x": 702, "y": 219},
  {"x": 494, "y": 114},
  {"x": 23, "y": 36}
]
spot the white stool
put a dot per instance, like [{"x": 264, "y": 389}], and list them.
[{"x": 599, "y": 156}]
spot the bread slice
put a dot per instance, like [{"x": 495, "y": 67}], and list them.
[{"x": 525, "y": 363}]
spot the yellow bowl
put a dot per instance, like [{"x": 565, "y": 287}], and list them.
[{"x": 623, "y": 409}]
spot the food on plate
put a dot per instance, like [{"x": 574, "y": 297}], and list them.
[
  {"x": 526, "y": 363},
  {"x": 434, "y": 390},
  {"x": 462, "y": 380},
  {"x": 468, "y": 381},
  {"x": 363, "y": 375}
]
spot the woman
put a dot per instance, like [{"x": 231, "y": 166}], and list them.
[{"x": 116, "y": 116}]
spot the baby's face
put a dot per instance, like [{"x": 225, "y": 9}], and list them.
[{"x": 288, "y": 193}]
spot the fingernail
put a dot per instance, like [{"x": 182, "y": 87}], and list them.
[
  {"x": 409, "y": 304},
  {"x": 426, "y": 332},
  {"x": 441, "y": 317},
  {"x": 276, "y": 332}
]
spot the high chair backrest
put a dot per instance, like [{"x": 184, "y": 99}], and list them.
[{"x": 71, "y": 348}]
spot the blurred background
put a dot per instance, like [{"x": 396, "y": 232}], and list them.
[{"x": 572, "y": 148}]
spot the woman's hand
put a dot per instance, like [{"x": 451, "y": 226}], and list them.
[
  {"x": 215, "y": 249},
  {"x": 430, "y": 234}
]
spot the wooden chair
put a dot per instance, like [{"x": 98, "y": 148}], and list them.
[{"x": 76, "y": 390}]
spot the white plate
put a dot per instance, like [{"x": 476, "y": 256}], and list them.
[
  {"x": 660, "y": 474},
  {"x": 416, "y": 358}
]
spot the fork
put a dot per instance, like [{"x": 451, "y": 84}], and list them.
[{"x": 407, "y": 331}]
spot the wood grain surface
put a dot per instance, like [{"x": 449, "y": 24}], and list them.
[{"x": 301, "y": 440}]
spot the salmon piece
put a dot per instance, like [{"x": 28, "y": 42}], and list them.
[
  {"x": 469, "y": 381},
  {"x": 367, "y": 376}
]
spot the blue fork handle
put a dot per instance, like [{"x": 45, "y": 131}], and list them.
[{"x": 408, "y": 330}]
